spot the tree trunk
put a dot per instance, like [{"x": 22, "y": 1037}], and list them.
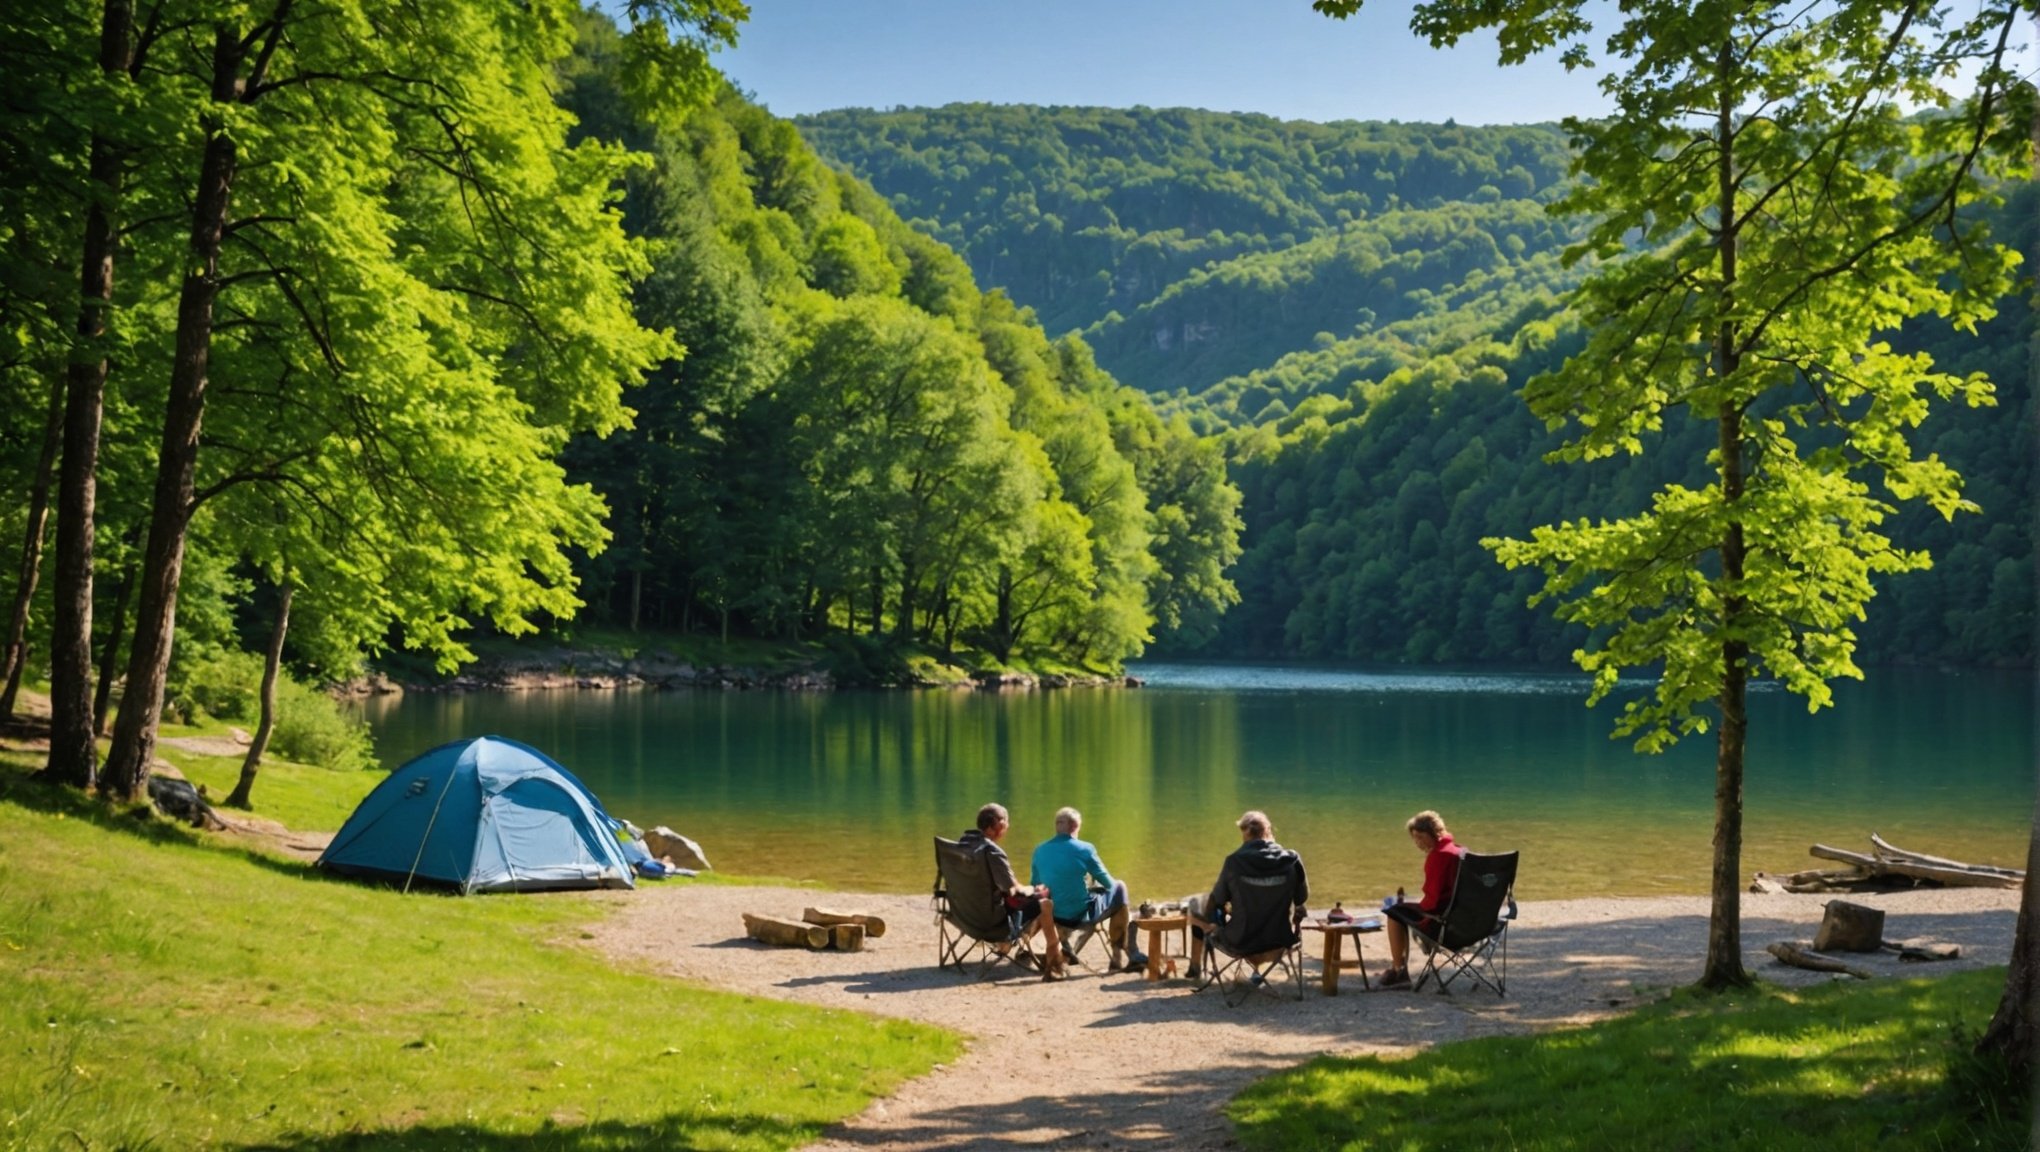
[
  {"x": 109, "y": 656},
  {"x": 637, "y": 596},
  {"x": 2014, "y": 1030},
  {"x": 73, "y": 753},
  {"x": 270, "y": 668},
  {"x": 15, "y": 655},
  {"x": 134, "y": 733},
  {"x": 1724, "y": 967}
]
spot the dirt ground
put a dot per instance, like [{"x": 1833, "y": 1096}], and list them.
[{"x": 1112, "y": 1061}]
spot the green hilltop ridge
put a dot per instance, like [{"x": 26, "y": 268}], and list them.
[{"x": 1355, "y": 307}]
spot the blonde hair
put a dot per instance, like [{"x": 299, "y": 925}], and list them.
[
  {"x": 1256, "y": 823},
  {"x": 1068, "y": 820},
  {"x": 1427, "y": 822}
]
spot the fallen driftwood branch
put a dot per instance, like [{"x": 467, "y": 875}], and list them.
[
  {"x": 874, "y": 926},
  {"x": 1798, "y": 957},
  {"x": 1888, "y": 866},
  {"x": 1892, "y": 852}
]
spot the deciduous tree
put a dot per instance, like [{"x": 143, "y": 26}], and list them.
[{"x": 1765, "y": 213}]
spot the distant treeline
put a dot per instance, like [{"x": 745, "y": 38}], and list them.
[{"x": 1362, "y": 349}]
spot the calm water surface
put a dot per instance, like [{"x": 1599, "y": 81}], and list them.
[{"x": 846, "y": 788}]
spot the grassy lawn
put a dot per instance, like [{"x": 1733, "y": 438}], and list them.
[
  {"x": 1877, "y": 1065},
  {"x": 159, "y": 989}
]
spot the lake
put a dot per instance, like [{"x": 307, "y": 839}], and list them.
[{"x": 846, "y": 788}]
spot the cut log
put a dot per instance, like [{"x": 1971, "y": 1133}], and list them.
[
  {"x": 785, "y": 933},
  {"x": 1766, "y": 885},
  {"x": 1921, "y": 949},
  {"x": 1849, "y": 927},
  {"x": 1800, "y": 958},
  {"x": 1889, "y": 850},
  {"x": 847, "y": 937},
  {"x": 874, "y": 926}
]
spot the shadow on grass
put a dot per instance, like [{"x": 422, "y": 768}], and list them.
[
  {"x": 140, "y": 821},
  {"x": 677, "y": 1131},
  {"x": 1843, "y": 1067}
]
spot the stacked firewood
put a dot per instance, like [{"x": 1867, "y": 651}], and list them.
[
  {"x": 817, "y": 928},
  {"x": 1886, "y": 867}
]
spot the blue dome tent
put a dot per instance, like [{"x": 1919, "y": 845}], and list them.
[{"x": 482, "y": 815}]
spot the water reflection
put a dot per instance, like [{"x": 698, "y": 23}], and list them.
[{"x": 847, "y": 788}]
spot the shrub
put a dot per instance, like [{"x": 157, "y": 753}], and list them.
[
  {"x": 222, "y": 684},
  {"x": 312, "y": 728}
]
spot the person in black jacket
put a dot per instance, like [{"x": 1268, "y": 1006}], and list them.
[{"x": 1259, "y": 863}]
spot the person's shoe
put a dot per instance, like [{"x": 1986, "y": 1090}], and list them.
[
  {"x": 1395, "y": 978},
  {"x": 1194, "y": 973},
  {"x": 1069, "y": 957},
  {"x": 1055, "y": 974},
  {"x": 1024, "y": 958},
  {"x": 1135, "y": 959}
]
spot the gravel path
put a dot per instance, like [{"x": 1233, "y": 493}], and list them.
[{"x": 1110, "y": 1061}]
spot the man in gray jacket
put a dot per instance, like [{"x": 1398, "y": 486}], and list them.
[{"x": 1258, "y": 863}]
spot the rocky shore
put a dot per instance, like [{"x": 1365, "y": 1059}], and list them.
[{"x": 562, "y": 668}]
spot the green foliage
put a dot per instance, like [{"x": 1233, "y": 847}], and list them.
[
  {"x": 1771, "y": 275},
  {"x": 313, "y": 728},
  {"x": 1885, "y": 1064},
  {"x": 338, "y": 1015},
  {"x": 858, "y": 440}
]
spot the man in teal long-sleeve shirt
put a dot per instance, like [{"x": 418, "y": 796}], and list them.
[{"x": 1064, "y": 863}]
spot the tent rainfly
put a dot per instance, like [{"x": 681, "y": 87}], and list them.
[{"x": 482, "y": 815}]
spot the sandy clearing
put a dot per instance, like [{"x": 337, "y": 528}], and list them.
[{"x": 1110, "y": 1061}]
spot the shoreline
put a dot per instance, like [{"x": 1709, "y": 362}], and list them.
[
  {"x": 596, "y": 670},
  {"x": 1153, "y": 1064}
]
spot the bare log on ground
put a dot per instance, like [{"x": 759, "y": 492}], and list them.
[
  {"x": 1849, "y": 927},
  {"x": 1764, "y": 884},
  {"x": 874, "y": 926},
  {"x": 847, "y": 937},
  {"x": 1890, "y": 851},
  {"x": 1920, "y": 949},
  {"x": 1801, "y": 958},
  {"x": 785, "y": 933},
  {"x": 1867, "y": 863},
  {"x": 1951, "y": 874}
]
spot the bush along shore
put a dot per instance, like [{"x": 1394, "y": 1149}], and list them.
[{"x": 856, "y": 664}]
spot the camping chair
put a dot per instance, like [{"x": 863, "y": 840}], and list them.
[
  {"x": 1257, "y": 941},
  {"x": 1473, "y": 936},
  {"x": 971, "y": 916},
  {"x": 1078, "y": 933}
]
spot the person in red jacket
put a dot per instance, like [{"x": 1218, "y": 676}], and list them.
[{"x": 1441, "y": 872}]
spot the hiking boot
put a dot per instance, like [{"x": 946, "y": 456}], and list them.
[{"x": 1395, "y": 978}]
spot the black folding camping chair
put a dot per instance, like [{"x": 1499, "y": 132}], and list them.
[
  {"x": 1258, "y": 941},
  {"x": 1472, "y": 938},
  {"x": 971, "y": 918}
]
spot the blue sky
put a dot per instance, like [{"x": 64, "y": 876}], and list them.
[{"x": 1272, "y": 56}]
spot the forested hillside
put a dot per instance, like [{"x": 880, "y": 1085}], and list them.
[
  {"x": 860, "y": 442},
  {"x": 1364, "y": 330}
]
